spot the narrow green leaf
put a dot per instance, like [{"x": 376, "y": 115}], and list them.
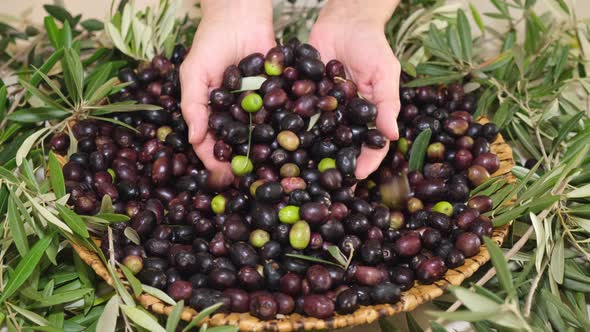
[
  {"x": 335, "y": 252},
  {"x": 132, "y": 235},
  {"x": 174, "y": 317},
  {"x": 102, "y": 91},
  {"x": 59, "y": 12},
  {"x": 122, "y": 107},
  {"x": 30, "y": 315},
  {"x": 158, "y": 293},
  {"x": 464, "y": 29},
  {"x": 92, "y": 25},
  {"x": 106, "y": 205},
  {"x": 73, "y": 74},
  {"x": 34, "y": 115},
  {"x": 73, "y": 220},
  {"x": 25, "y": 267},
  {"x": 142, "y": 319},
  {"x": 477, "y": 18},
  {"x": 462, "y": 315},
  {"x": 133, "y": 281},
  {"x": 113, "y": 217},
  {"x": 454, "y": 44},
  {"x": 434, "y": 80},
  {"x": 56, "y": 176},
  {"x": 418, "y": 150},
  {"x": 202, "y": 315},
  {"x": 50, "y": 102},
  {"x": 107, "y": 321},
  {"x": 557, "y": 267},
  {"x": 66, "y": 35},
  {"x": 65, "y": 297},
  {"x": 312, "y": 259},
  {"x": 17, "y": 229},
  {"x": 474, "y": 301},
  {"x": 502, "y": 271},
  {"x": 52, "y": 31},
  {"x": 95, "y": 81},
  {"x": 565, "y": 129}
]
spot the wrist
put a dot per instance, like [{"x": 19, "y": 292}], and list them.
[
  {"x": 375, "y": 13},
  {"x": 255, "y": 11}
]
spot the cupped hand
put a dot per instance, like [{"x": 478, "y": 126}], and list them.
[
  {"x": 224, "y": 36},
  {"x": 371, "y": 64}
]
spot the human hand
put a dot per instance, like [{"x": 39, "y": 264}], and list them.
[
  {"x": 352, "y": 33},
  {"x": 229, "y": 31}
]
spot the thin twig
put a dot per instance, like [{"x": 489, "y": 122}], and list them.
[{"x": 529, "y": 298}]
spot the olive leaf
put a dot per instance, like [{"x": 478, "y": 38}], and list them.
[{"x": 418, "y": 150}]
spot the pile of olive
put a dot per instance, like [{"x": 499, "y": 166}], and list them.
[{"x": 261, "y": 244}]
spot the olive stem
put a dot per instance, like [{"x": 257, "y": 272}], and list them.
[{"x": 249, "y": 136}]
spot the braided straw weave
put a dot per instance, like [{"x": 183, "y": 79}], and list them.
[{"x": 410, "y": 299}]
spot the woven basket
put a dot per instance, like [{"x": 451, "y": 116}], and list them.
[{"x": 410, "y": 299}]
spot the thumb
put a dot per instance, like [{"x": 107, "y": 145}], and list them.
[
  {"x": 194, "y": 89},
  {"x": 386, "y": 98}
]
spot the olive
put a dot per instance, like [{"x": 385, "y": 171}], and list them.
[
  {"x": 311, "y": 67},
  {"x": 239, "y": 299},
  {"x": 133, "y": 263},
  {"x": 480, "y": 146},
  {"x": 489, "y": 131},
  {"x": 273, "y": 272},
  {"x": 318, "y": 306},
  {"x": 264, "y": 217},
  {"x": 439, "y": 221},
  {"x": 155, "y": 263},
  {"x": 180, "y": 290},
  {"x": 269, "y": 192},
  {"x": 346, "y": 161},
  {"x": 443, "y": 207},
  {"x": 375, "y": 139},
  {"x": 408, "y": 244},
  {"x": 347, "y": 301},
  {"x": 489, "y": 161},
  {"x": 331, "y": 179},
  {"x": 361, "y": 112},
  {"x": 328, "y": 103},
  {"x": 431, "y": 190},
  {"x": 456, "y": 126},
  {"x": 431, "y": 270},
  {"x": 250, "y": 279},
  {"x": 314, "y": 213},
  {"x": 232, "y": 78},
  {"x": 236, "y": 230},
  {"x": 59, "y": 142},
  {"x": 289, "y": 214},
  {"x": 274, "y": 61},
  {"x": 468, "y": 244},
  {"x": 252, "y": 65},
  {"x": 299, "y": 235},
  {"x": 371, "y": 252},
  {"x": 288, "y": 140},
  {"x": 144, "y": 223},
  {"x": 263, "y": 306},
  {"x": 305, "y": 106},
  {"x": 431, "y": 238},
  {"x": 183, "y": 234},
  {"x": 259, "y": 238},
  {"x": 327, "y": 123},
  {"x": 221, "y": 278},
  {"x": 477, "y": 175},
  {"x": 455, "y": 258},
  {"x": 402, "y": 276},
  {"x": 203, "y": 298},
  {"x": 263, "y": 133},
  {"x": 303, "y": 87},
  {"x": 343, "y": 136},
  {"x": 385, "y": 293},
  {"x": 319, "y": 278},
  {"x": 241, "y": 165},
  {"x": 285, "y": 303},
  {"x": 243, "y": 254},
  {"x": 480, "y": 203},
  {"x": 153, "y": 278},
  {"x": 218, "y": 246},
  {"x": 303, "y": 50},
  {"x": 270, "y": 250},
  {"x": 481, "y": 226},
  {"x": 436, "y": 151},
  {"x": 369, "y": 275}
]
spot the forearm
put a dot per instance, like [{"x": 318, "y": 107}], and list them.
[
  {"x": 250, "y": 10},
  {"x": 361, "y": 11}
]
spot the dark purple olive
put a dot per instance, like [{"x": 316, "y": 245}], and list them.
[
  {"x": 263, "y": 306},
  {"x": 221, "y": 278},
  {"x": 243, "y": 254},
  {"x": 477, "y": 175},
  {"x": 431, "y": 190},
  {"x": 250, "y": 279},
  {"x": 369, "y": 275},
  {"x": 455, "y": 258},
  {"x": 153, "y": 278},
  {"x": 285, "y": 303},
  {"x": 252, "y": 65},
  {"x": 431, "y": 270},
  {"x": 311, "y": 68},
  {"x": 232, "y": 78},
  {"x": 290, "y": 283},
  {"x": 347, "y": 302},
  {"x": 408, "y": 244},
  {"x": 361, "y": 112},
  {"x": 319, "y": 278},
  {"x": 375, "y": 139},
  {"x": 480, "y": 203},
  {"x": 144, "y": 223},
  {"x": 240, "y": 300},
  {"x": 468, "y": 243},
  {"x": 402, "y": 276},
  {"x": 489, "y": 131},
  {"x": 385, "y": 293},
  {"x": 489, "y": 161},
  {"x": 318, "y": 306},
  {"x": 180, "y": 290}
]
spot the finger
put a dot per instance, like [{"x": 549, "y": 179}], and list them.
[
  {"x": 220, "y": 172},
  {"x": 194, "y": 91},
  {"x": 369, "y": 160},
  {"x": 386, "y": 98}
]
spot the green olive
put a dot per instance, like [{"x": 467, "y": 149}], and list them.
[
  {"x": 288, "y": 140},
  {"x": 403, "y": 145},
  {"x": 133, "y": 263},
  {"x": 218, "y": 204},
  {"x": 252, "y": 103},
  {"x": 272, "y": 69},
  {"x": 325, "y": 164},
  {"x": 241, "y": 165},
  {"x": 163, "y": 132},
  {"x": 289, "y": 214},
  {"x": 259, "y": 237},
  {"x": 443, "y": 207},
  {"x": 299, "y": 235},
  {"x": 289, "y": 170}
]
